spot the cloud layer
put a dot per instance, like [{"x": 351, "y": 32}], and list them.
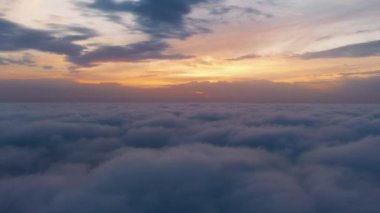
[
  {"x": 346, "y": 90},
  {"x": 189, "y": 158}
]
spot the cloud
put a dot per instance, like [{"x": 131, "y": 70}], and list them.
[
  {"x": 15, "y": 37},
  {"x": 25, "y": 60},
  {"x": 189, "y": 158},
  {"x": 244, "y": 57},
  {"x": 222, "y": 10},
  {"x": 160, "y": 19},
  {"x": 73, "y": 33},
  {"x": 61, "y": 41},
  {"x": 366, "y": 73},
  {"x": 367, "y": 49},
  {"x": 142, "y": 51},
  {"x": 346, "y": 90}
]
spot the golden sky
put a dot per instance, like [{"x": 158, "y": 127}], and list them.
[{"x": 151, "y": 43}]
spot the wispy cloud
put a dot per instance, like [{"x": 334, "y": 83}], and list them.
[
  {"x": 25, "y": 60},
  {"x": 367, "y": 49}
]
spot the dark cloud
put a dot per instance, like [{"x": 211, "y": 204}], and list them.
[
  {"x": 367, "y": 49},
  {"x": 135, "y": 52},
  {"x": 15, "y": 37},
  {"x": 160, "y": 19},
  {"x": 189, "y": 158},
  {"x": 60, "y": 41},
  {"x": 346, "y": 90}
]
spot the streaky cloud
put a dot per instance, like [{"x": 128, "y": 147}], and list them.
[
  {"x": 25, "y": 60},
  {"x": 136, "y": 52},
  {"x": 367, "y": 49},
  {"x": 15, "y": 37},
  {"x": 244, "y": 57}
]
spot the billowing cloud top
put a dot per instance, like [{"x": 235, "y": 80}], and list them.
[{"x": 189, "y": 158}]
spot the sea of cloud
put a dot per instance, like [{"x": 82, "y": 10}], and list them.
[{"x": 207, "y": 158}]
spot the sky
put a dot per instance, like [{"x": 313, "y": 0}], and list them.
[{"x": 150, "y": 44}]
